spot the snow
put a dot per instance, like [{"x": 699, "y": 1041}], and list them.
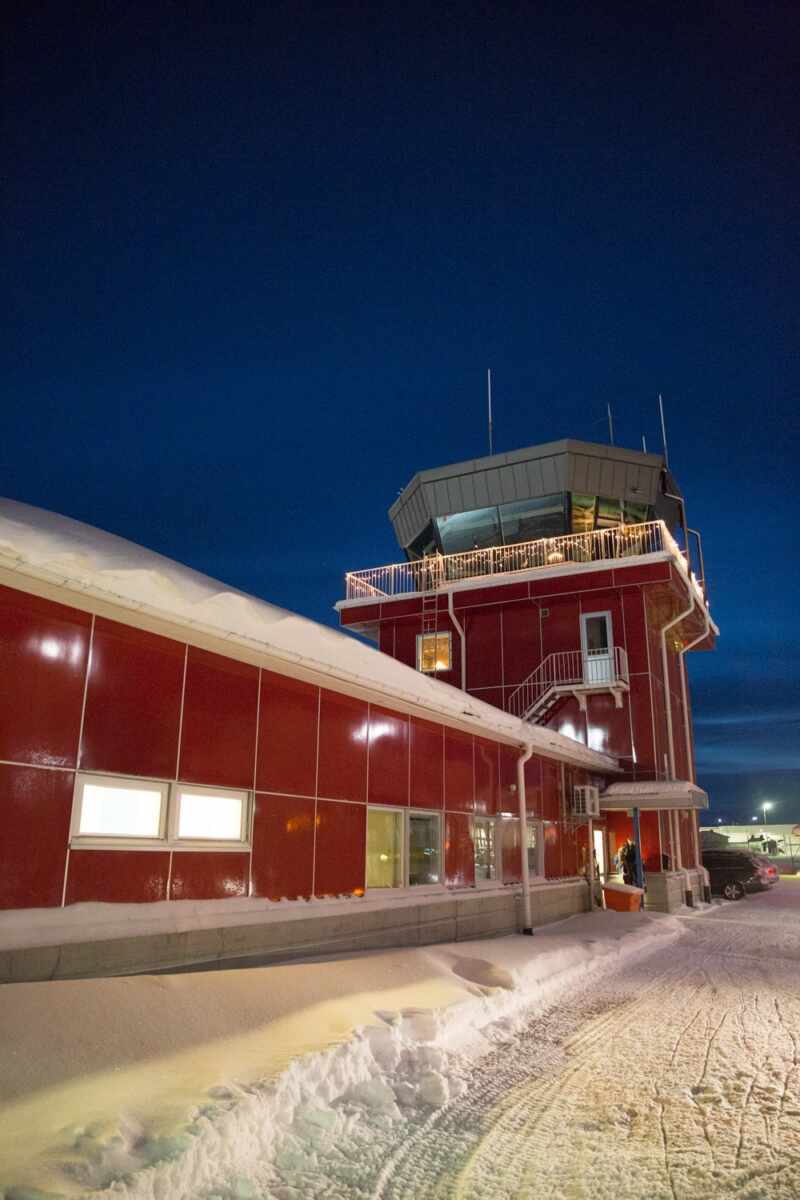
[
  {"x": 183, "y": 1086},
  {"x": 627, "y": 888},
  {"x": 92, "y": 562}
]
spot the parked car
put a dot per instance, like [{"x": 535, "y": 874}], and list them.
[
  {"x": 731, "y": 872},
  {"x": 768, "y": 873}
]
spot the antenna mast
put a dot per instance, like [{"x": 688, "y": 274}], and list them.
[
  {"x": 644, "y": 444},
  {"x": 610, "y": 425},
  {"x": 663, "y": 431},
  {"x": 489, "y": 398}
]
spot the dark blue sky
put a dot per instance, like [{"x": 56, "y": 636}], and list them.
[{"x": 260, "y": 256}]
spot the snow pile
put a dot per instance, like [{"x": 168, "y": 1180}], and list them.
[
  {"x": 255, "y": 1136},
  {"x": 83, "y": 559}
]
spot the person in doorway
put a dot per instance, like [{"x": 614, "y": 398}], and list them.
[{"x": 627, "y": 857}]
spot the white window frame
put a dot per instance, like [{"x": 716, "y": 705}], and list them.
[
  {"x": 405, "y": 849},
  {"x": 586, "y": 616},
  {"x": 424, "y": 812},
  {"x": 167, "y": 837},
  {"x": 538, "y": 826},
  {"x": 498, "y": 853},
  {"x": 106, "y": 841},
  {"x": 435, "y": 633},
  {"x": 195, "y": 843}
]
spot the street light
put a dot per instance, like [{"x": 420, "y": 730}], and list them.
[{"x": 765, "y": 804}]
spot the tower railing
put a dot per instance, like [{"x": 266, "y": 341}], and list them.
[{"x": 441, "y": 570}]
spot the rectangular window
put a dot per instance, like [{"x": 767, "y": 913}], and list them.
[
  {"x": 108, "y": 808},
  {"x": 609, "y": 512},
  {"x": 533, "y": 861},
  {"x": 485, "y": 853},
  {"x": 469, "y": 530},
  {"x": 434, "y": 652},
  {"x": 424, "y": 848},
  {"x": 109, "y": 811},
  {"x": 583, "y": 512},
  {"x": 201, "y": 814},
  {"x": 384, "y": 848},
  {"x": 527, "y": 520}
]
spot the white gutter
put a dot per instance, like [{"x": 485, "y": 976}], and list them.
[
  {"x": 527, "y": 920},
  {"x": 460, "y": 630},
  {"x": 687, "y": 888},
  {"x": 688, "y": 736}
]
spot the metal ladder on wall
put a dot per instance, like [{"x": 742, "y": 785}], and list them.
[{"x": 430, "y": 597}]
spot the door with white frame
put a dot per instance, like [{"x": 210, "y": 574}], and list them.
[{"x": 597, "y": 648}]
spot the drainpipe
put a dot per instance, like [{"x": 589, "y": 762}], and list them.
[
  {"x": 463, "y": 640},
  {"x": 527, "y": 921},
  {"x": 687, "y": 888},
  {"x": 689, "y": 759}
]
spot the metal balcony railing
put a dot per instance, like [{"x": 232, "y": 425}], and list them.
[
  {"x": 586, "y": 670},
  {"x": 442, "y": 570}
]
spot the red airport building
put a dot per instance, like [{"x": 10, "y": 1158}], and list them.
[{"x": 166, "y": 738}]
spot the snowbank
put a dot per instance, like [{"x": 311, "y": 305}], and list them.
[
  {"x": 170, "y": 1087},
  {"x": 82, "y": 559}
]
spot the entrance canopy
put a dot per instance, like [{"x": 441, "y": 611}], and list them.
[{"x": 652, "y": 793}]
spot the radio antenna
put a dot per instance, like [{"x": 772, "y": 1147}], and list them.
[
  {"x": 489, "y": 400},
  {"x": 610, "y": 425},
  {"x": 644, "y": 444},
  {"x": 663, "y": 430}
]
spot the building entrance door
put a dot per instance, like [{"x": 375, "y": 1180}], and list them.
[{"x": 600, "y": 852}]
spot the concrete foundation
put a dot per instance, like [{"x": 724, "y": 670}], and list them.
[
  {"x": 459, "y": 916},
  {"x": 666, "y": 890}
]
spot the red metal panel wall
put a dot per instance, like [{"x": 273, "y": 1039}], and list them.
[
  {"x": 43, "y": 652},
  {"x": 459, "y": 850},
  {"x": 117, "y": 876},
  {"x": 459, "y": 780},
  {"x": 198, "y": 875},
  {"x": 133, "y": 702},
  {"x": 283, "y": 846},
  {"x": 484, "y": 655},
  {"x": 218, "y": 733},
  {"x": 340, "y": 861},
  {"x": 487, "y": 778},
  {"x": 35, "y": 806},
  {"x": 388, "y": 757},
  {"x": 427, "y": 764},
  {"x": 287, "y": 735},
  {"x": 343, "y": 733}
]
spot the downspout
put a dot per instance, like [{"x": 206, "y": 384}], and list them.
[
  {"x": 460, "y": 631},
  {"x": 687, "y": 888},
  {"x": 688, "y": 736},
  {"x": 527, "y": 921}
]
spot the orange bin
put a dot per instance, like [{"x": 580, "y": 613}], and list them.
[{"x": 629, "y": 900}]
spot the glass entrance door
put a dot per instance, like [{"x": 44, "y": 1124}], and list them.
[{"x": 596, "y": 644}]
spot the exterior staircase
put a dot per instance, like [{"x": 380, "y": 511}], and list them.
[{"x": 578, "y": 673}]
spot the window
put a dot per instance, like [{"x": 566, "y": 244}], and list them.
[
  {"x": 107, "y": 807},
  {"x": 434, "y": 651},
  {"x": 583, "y": 512},
  {"x": 485, "y": 857},
  {"x": 203, "y": 814},
  {"x": 527, "y": 520},
  {"x": 424, "y": 848},
  {"x": 533, "y": 858},
  {"x": 609, "y": 512},
  {"x": 110, "y": 811},
  {"x": 469, "y": 530},
  {"x": 384, "y": 848}
]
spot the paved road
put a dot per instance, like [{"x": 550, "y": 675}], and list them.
[{"x": 681, "y": 1080}]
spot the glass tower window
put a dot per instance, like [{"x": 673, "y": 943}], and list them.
[
  {"x": 469, "y": 530},
  {"x": 527, "y": 520},
  {"x": 583, "y": 507},
  {"x": 609, "y": 512}
]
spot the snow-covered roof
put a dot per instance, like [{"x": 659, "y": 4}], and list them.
[{"x": 90, "y": 561}]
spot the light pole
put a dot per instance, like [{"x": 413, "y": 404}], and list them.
[{"x": 765, "y": 804}]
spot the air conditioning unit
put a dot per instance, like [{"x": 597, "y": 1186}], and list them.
[{"x": 586, "y": 802}]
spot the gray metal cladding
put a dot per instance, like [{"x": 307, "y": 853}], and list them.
[{"x": 566, "y": 466}]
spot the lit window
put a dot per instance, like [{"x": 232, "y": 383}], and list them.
[
  {"x": 209, "y": 814},
  {"x": 484, "y": 842},
  {"x": 424, "y": 848},
  {"x": 434, "y": 652},
  {"x": 106, "y": 807},
  {"x": 533, "y": 864},
  {"x": 384, "y": 848}
]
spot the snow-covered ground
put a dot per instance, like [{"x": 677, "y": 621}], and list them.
[{"x": 612, "y": 1055}]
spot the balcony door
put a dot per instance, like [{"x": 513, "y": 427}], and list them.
[{"x": 597, "y": 647}]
